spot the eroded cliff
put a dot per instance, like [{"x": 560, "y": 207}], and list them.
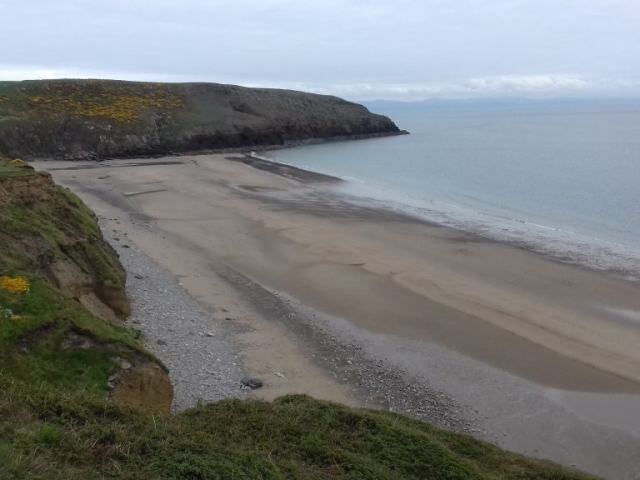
[{"x": 62, "y": 298}]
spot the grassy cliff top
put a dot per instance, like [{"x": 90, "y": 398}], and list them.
[
  {"x": 120, "y": 102},
  {"x": 106, "y": 118},
  {"x": 52, "y": 257},
  {"x": 78, "y": 437}
]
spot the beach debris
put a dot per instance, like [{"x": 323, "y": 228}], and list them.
[
  {"x": 278, "y": 374},
  {"x": 252, "y": 383},
  {"x": 161, "y": 342},
  {"x": 209, "y": 334}
]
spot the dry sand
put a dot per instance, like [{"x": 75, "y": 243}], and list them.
[{"x": 544, "y": 356}]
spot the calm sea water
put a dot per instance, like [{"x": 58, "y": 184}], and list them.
[{"x": 563, "y": 180}]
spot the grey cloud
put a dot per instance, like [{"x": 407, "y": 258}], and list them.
[{"x": 436, "y": 47}]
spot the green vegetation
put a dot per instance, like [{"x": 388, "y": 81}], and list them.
[
  {"x": 50, "y": 338},
  {"x": 53, "y": 340},
  {"x": 76, "y": 436},
  {"x": 115, "y": 101},
  {"x": 56, "y": 422},
  {"x": 16, "y": 168},
  {"x": 40, "y": 221}
]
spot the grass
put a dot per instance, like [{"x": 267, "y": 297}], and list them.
[
  {"x": 9, "y": 170},
  {"x": 77, "y": 436},
  {"x": 121, "y": 102},
  {"x": 52, "y": 222},
  {"x": 41, "y": 223},
  {"x": 37, "y": 346}
]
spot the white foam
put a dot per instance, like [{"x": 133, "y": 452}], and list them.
[{"x": 566, "y": 245}]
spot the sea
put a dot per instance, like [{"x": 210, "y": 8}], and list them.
[{"x": 559, "y": 178}]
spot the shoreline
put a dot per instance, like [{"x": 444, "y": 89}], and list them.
[
  {"x": 204, "y": 152},
  {"x": 351, "y": 271},
  {"x": 578, "y": 249}
]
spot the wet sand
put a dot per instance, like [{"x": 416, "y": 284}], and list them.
[{"x": 543, "y": 355}]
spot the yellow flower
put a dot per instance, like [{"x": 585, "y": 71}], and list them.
[{"x": 15, "y": 284}]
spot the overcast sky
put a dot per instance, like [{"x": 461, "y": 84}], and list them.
[{"x": 358, "y": 49}]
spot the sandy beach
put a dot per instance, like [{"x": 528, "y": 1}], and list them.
[{"x": 374, "y": 308}]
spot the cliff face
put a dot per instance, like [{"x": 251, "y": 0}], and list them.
[
  {"x": 79, "y": 119},
  {"x": 62, "y": 298},
  {"x": 47, "y": 229}
]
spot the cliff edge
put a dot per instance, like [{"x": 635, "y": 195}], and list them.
[
  {"x": 84, "y": 119},
  {"x": 62, "y": 299}
]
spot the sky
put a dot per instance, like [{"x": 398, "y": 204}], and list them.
[{"x": 357, "y": 49}]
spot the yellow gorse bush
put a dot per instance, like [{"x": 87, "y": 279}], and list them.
[
  {"x": 15, "y": 285},
  {"x": 120, "y": 103}
]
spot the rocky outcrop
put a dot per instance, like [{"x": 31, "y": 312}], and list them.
[
  {"x": 144, "y": 387},
  {"x": 85, "y": 119}
]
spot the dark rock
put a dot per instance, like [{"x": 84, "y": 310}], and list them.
[{"x": 252, "y": 383}]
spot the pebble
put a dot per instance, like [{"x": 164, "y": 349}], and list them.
[{"x": 160, "y": 305}]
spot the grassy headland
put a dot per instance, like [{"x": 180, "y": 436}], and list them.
[{"x": 81, "y": 119}]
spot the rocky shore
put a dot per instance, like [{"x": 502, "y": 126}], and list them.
[{"x": 204, "y": 364}]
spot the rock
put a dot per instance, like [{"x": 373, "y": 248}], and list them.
[
  {"x": 161, "y": 342},
  {"x": 252, "y": 383},
  {"x": 114, "y": 296},
  {"x": 125, "y": 365},
  {"x": 146, "y": 388}
]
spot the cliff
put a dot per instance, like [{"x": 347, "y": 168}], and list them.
[
  {"x": 62, "y": 298},
  {"x": 81, "y": 119}
]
